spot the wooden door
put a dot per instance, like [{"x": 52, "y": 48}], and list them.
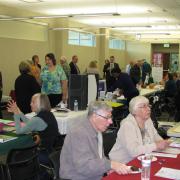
[{"x": 166, "y": 61}]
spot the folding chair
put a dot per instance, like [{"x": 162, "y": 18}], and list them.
[{"x": 23, "y": 164}]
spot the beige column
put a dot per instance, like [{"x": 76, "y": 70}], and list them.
[
  {"x": 62, "y": 38},
  {"x": 103, "y": 47}
]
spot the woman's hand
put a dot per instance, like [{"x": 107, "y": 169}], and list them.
[
  {"x": 12, "y": 107},
  {"x": 120, "y": 168},
  {"x": 162, "y": 144}
]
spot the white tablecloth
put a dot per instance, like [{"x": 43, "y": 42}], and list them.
[
  {"x": 174, "y": 131},
  {"x": 66, "y": 121},
  {"x": 148, "y": 91}
]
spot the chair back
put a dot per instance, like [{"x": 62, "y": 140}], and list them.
[
  {"x": 54, "y": 158},
  {"x": 23, "y": 164}
]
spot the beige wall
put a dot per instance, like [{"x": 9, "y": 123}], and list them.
[
  {"x": 137, "y": 50},
  {"x": 23, "y": 30},
  {"x": 12, "y": 52}
]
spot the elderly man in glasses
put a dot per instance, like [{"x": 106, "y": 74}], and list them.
[
  {"x": 137, "y": 134},
  {"x": 82, "y": 156}
]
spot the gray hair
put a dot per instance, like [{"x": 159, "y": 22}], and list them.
[
  {"x": 42, "y": 101},
  {"x": 24, "y": 67},
  {"x": 135, "y": 102},
  {"x": 63, "y": 58},
  {"x": 95, "y": 106}
]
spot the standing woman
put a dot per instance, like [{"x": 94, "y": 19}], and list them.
[
  {"x": 35, "y": 71},
  {"x": 35, "y": 60},
  {"x": 54, "y": 81},
  {"x": 25, "y": 87}
]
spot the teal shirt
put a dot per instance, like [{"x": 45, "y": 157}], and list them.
[
  {"x": 51, "y": 81},
  {"x": 34, "y": 124}
]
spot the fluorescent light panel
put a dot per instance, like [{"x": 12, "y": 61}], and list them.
[
  {"x": 85, "y": 11},
  {"x": 103, "y": 9},
  {"x": 31, "y": 1}
]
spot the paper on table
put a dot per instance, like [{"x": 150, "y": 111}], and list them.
[
  {"x": 168, "y": 173},
  {"x": 175, "y": 142},
  {"x": 113, "y": 104},
  {"x": 5, "y": 121},
  {"x": 177, "y": 129},
  {"x": 170, "y": 150},
  {"x": 164, "y": 155}
]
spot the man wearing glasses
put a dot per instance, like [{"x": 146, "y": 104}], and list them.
[{"x": 82, "y": 156}]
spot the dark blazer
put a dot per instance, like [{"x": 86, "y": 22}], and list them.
[
  {"x": 25, "y": 87},
  {"x": 170, "y": 88},
  {"x": 135, "y": 74},
  {"x": 125, "y": 83},
  {"x": 74, "y": 69},
  {"x": 109, "y": 78}
]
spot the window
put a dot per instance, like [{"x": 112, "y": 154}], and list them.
[
  {"x": 116, "y": 44},
  {"x": 73, "y": 37},
  {"x": 81, "y": 39}
]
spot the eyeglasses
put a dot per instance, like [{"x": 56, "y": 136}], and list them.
[
  {"x": 145, "y": 106},
  {"x": 107, "y": 118}
]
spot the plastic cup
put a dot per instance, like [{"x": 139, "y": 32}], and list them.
[{"x": 146, "y": 167}]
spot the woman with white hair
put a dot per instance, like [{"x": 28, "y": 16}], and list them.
[
  {"x": 65, "y": 66},
  {"x": 137, "y": 134}
]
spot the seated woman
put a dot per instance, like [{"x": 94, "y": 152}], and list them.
[
  {"x": 137, "y": 134},
  {"x": 43, "y": 123}
]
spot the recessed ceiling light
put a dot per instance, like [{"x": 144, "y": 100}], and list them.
[
  {"x": 115, "y": 14},
  {"x": 164, "y": 10},
  {"x": 31, "y": 1},
  {"x": 150, "y": 11}
]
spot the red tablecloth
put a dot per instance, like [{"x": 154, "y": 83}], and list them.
[{"x": 155, "y": 167}]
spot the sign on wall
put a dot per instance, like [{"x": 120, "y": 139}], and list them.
[
  {"x": 157, "y": 74},
  {"x": 157, "y": 69}
]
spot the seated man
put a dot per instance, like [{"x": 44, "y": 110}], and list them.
[
  {"x": 82, "y": 156},
  {"x": 137, "y": 134},
  {"x": 170, "y": 86}
]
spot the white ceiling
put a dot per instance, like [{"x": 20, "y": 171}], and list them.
[{"x": 145, "y": 20}]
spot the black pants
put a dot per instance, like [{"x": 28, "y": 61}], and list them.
[{"x": 54, "y": 99}]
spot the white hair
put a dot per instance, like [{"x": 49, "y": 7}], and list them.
[
  {"x": 95, "y": 106},
  {"x": 135, "y": 102},
  {"x": 63, "y": 58}
]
